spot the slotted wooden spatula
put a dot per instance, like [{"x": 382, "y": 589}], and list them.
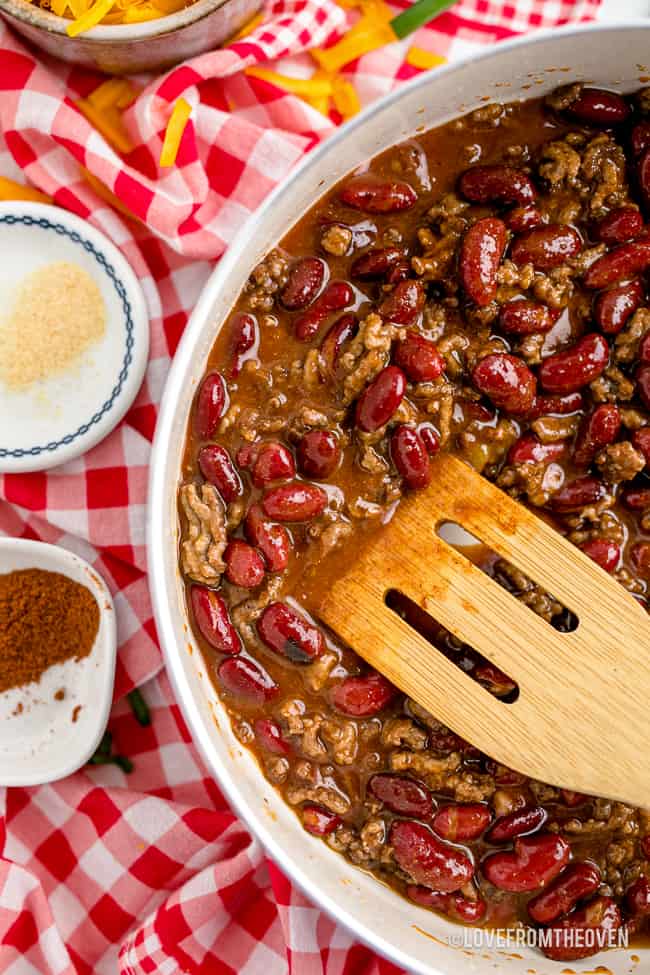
[{"x": 582, "y": 718}]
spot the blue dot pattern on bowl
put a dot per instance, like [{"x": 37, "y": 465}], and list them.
[{"x": 76, "y": 238}]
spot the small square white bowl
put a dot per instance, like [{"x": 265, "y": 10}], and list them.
[{"x": 44, "y": 737}]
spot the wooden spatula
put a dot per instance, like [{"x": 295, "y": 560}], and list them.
[{"x": 582, "y": 718}]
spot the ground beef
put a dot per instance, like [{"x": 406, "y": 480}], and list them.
[
  {"x": 336, "y": 240},
  {"x": 619, "y": 462},
  {"x": 267, "y": 278},
  {"x": 367, "y": 354},
  {"x": 202, "y": 550}
]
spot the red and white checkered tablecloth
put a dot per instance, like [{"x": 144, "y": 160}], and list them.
[{"x": 105, "y": 872}]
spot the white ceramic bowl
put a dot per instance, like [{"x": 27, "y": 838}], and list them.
[
  {"x": 62, "y": 417},
  {"x": 42, "y": 737},
  {"x": 612, "y": 55},
  {"x": 128, "y": 48}
]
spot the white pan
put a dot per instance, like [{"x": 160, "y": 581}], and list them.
[{"x": 614, "y": 56}]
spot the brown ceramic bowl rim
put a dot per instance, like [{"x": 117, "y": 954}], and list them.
[{"x": 30, "y": 13}]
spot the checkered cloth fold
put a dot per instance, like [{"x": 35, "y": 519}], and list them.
[{"x": 151, "y": 872}]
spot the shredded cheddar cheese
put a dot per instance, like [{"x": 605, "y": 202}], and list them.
[
  {"x": 346, "y": 100},
  {"x": 86, "y": 14},
  {"x": 174, "y": 132},
  {"x": 355, "y": 43},
  {"x": 108, "y": 121},
  {"x": 316, "y": 87},
  {"x": 10, "y": 190},
  {"x": 90, "y": 18},
  {"x": 103, "y": 191},
  {"x": 417, "y": 57}
]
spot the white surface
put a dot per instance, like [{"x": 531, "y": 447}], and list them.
[
  {"x": 39, "y": 740},
  {"x": 53, "y": 411},
  {"x": 411, "y": 937}
]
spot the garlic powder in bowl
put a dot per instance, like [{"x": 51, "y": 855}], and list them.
[
  {"x": 74, "y": 336},
  {"x": 58, "y": 312}
]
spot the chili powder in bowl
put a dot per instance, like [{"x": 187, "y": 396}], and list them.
[{"x": 57, "y": 661}]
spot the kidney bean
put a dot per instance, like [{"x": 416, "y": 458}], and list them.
[
  {"x": 493, "y": 679},
  {"x": 272, "y": 540},
  {"x": 305, "y": 280},
  {"x": 427, "y": 859},
  {"x": 643, "y": 384},
  {"x": 459, "y": 822},
  {"x": 645, "y": 847},
  {"x": 624, "y": 223},
  {"x": 343, "y": 329},
  {"x": 372, "y": 195},
  {"x": 337, "y": 295},
  {"x": 570, "y": 370},
  {"x": 560, "y": 405},
  {"x": 597, "y": 429},
  {"x": 454, "y": 905},
  {"x": 410, "y": 457},
  {"x": 623, "y": 262},
  {"x": 319, "y": 453},
  {"x": 601, "y": 914},
  {"x": 599, "y": 107},
  {"x": 637, "y": 897},
  {"x": 213, "y": 620},
  {"x": 576, "y": 494},
  {"x": 640, "y": 137},
  {"x": 296, "y": 501},
  {"x": 612, "y": 308},
  {"x": 376, "y": 263},
  {"x": 419, "y": 358},
  {"x": 497, "y": 184},
  {"x": 523, "y": 317},
  {"x": 246, "y": 679},
  {"x": 380, "y": 399},
  {"x": 520, "y": 219},
  {"x": 480, "y": 255},
  {"x": 546, "y": 247},
  {"x": 604, "y": 553},
  {"x": 290, "y": 634},
  {"x": 636, "y": 498},
  {"x": 244, "y": 565},
  {"x": 529, "y": 450},
  {"x": 571, "y": 799},
  {"x": 245, "y": 339},
  {"x": 319, "y": 821},
  {"x": 269, "y": 734},
  {"x": 576, "y": 881},
  {"x": 536, "y": 861},
  {"x": 274, "y": 462},
  {"x": 640, "y": 558},
  {"x": 430, "y": 438},
  {"x": 404, "y": 304},
  {"x": 217, "y": 468},
  {"x": 644, "y": 350},
  {"x": 401, "y": 795},
  {"x": 507, "y": 381},
  {"x": 362, "y": 697},
  {"x": 641, "y": 442},
  {"x": 210, "y": 405},
  {"x": 400, "y": 272},
  {"x": 517, "y": 823}
]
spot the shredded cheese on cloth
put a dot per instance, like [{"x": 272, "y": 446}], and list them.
[
  {"x": 174, "y": 133},
  {"x": 58, "y": 313}
]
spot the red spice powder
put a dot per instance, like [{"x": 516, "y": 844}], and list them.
[{"x": 45, "y": 618}]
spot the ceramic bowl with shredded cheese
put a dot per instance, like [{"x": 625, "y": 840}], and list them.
[
  {"x": 74, "y": 336},
  {"x": 131, "y": 35}
]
